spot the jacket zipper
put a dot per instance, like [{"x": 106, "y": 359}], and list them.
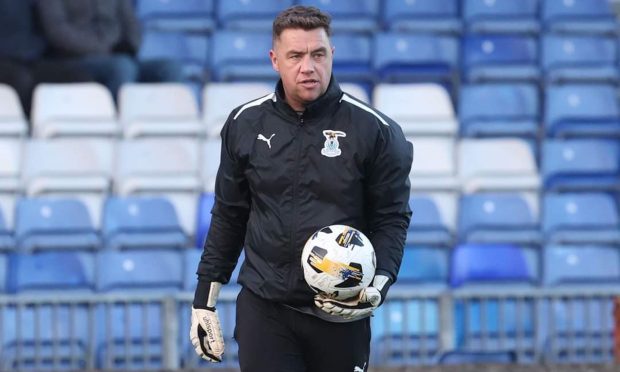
[{"x": 293, "y": 236}]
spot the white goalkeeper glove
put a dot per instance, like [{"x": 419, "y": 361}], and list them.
[
  {"x": 206, "y": 331},
  {"x": 359, "y": 307}
]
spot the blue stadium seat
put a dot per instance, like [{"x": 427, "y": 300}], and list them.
[
  {"x": 460, "y": 357},
  {"x": 189, "y": 49},
  {"x": 423, "y": 265},
  {"x": 591, "y": 265},
  {"x": 46, "y": 272},
  {"x": 579, "y": 58},
  {"x": 349, "y": 15},
  {"x": 402, "y": 57},
  {"x": 160, "y": 271},
  {"x": 177, "y": 15},
  {"x": 504, "y": 16},
  {"x": 422, "y": 16},
  {"x": 581, "y": 218},
  {"x": 509, "y": 110},
  {"x": 255, "y": 15},
  {"x": 579, "y": 16},
  {"x": 582, "y": 110},
  {"x": 353, "y": 56},
  {"x": 428, "y": 227},
  {"x": 45, "y": 223},
  {"x": 53, "y": 334},
  {"x": 473, "y": 264},
  {"x": 241, "y": 56},
  {"x": 142, "y": 222},
  {"x": 500, "y": 58},
  {"x": 497, "y": 218},
  {"x": 7, "y": 242},
  {"x": 3, "y": 272},
  {"x": 405, "y": 332},
  {"x": 204, "y": 217},
  {"x": 45, "y": 337},
  {"x": 502, "y": 320},
  {"x": 578, "y": 165},
  {"x": 130, "y": 332}
]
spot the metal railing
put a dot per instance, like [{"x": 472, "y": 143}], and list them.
[{"x": 150, "y": 331}]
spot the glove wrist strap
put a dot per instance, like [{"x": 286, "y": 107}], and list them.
[{"x": 206, "y": 295}]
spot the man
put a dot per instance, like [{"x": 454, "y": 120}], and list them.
[
  {"x": 272, "y": 195},
  {"x": 22, "y": 53},
  {"x": 102, "y": 37}
]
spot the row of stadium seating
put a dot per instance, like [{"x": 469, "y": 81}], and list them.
[
  {"x": 400, "y": 57},
  {"x": 423, "y": 267},
  {"x": 61, "y": 110},
  {"x": 52, "y": 223},
  {"x": 369, "y": 15}
]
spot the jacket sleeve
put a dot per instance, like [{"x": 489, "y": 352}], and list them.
[
  {"x": 387, "y": 198},
  {"x": 62, "y": 35},
  {"x": 132, "y": 34},
  {"x": 229, "y": 218}
]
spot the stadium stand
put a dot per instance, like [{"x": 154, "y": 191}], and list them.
[{"x": 513, "y": 251}]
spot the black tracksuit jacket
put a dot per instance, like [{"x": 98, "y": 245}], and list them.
[{"x": 280, "y": 180}]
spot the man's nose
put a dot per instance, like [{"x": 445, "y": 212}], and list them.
[{"x": 307, "y": 64}]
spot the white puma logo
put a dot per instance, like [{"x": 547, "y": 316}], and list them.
[{"x": 263, "y": 138}]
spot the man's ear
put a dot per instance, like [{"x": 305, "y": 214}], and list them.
[{"x": 274, "y": 60}]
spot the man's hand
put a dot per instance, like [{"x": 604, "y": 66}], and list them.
[
  {"x": 206, "y": 334},
  {"x": 359, "y": 307},
  {"x": 206, "y": 331}
]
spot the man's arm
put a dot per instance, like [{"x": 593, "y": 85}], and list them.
[
  {"x": 64, "y": 36},
  {"x": 229, "y": 219},
  {"x": 131, "y": 31},
  {"x": 387, "y": 199}
]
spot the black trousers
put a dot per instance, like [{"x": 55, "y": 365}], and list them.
[{"x": 276, "y": 338}]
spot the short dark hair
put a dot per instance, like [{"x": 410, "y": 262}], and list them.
[{"x": 303, "y": 17}]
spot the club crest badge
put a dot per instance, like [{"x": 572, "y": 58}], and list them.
[{"x": 332, "y": 146}]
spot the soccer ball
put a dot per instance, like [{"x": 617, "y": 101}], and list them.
[{"x": 338, "y": 262}]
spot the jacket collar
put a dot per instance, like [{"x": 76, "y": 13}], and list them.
[{"x": 321, "y": 106}]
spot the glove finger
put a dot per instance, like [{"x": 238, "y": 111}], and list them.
[{"x": 207, "y": 353}]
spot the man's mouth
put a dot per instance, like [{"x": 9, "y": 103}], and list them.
[{"x": 309, "y": 83}]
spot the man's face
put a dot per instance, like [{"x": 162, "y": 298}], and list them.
[{"x": 304, "y": 61}]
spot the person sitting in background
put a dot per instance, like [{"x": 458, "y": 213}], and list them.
[
  {"x": 22, "y": 53},
  {"x": 103, "y": 37}
]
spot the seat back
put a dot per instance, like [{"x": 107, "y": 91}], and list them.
[
  {"x": 579, "y": 211},
  {"x": 45, "y": 272},
  {"x": 503, "y": 102},
  {"x": 492, "y": 263},
  {"x": 139, "y": 271},
  {"x": 249, "y": 15},
  {"x": 12, "y": 119},
  {"x": 152, "y": 102},
  {"x": 565, "y": 264},
  {"x": 137, "y": 214},
  {"x": 11, "y": 165}
]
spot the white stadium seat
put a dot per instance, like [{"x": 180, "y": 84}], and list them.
[
  {"x": 12, "y": 120},
  {"x": 356, "y": 91},
  {"x": 164, "y": 109},
  {"x": 505, "y": 164},
  {"x": 434, "y": 164},
  {"x": 10, "y": 165},
  {"x": 420, "y": 109},
  {"x": 78, "y": 109},
  {"x": 219, "y": 99},
  {"x": 210, "y": 160}
]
